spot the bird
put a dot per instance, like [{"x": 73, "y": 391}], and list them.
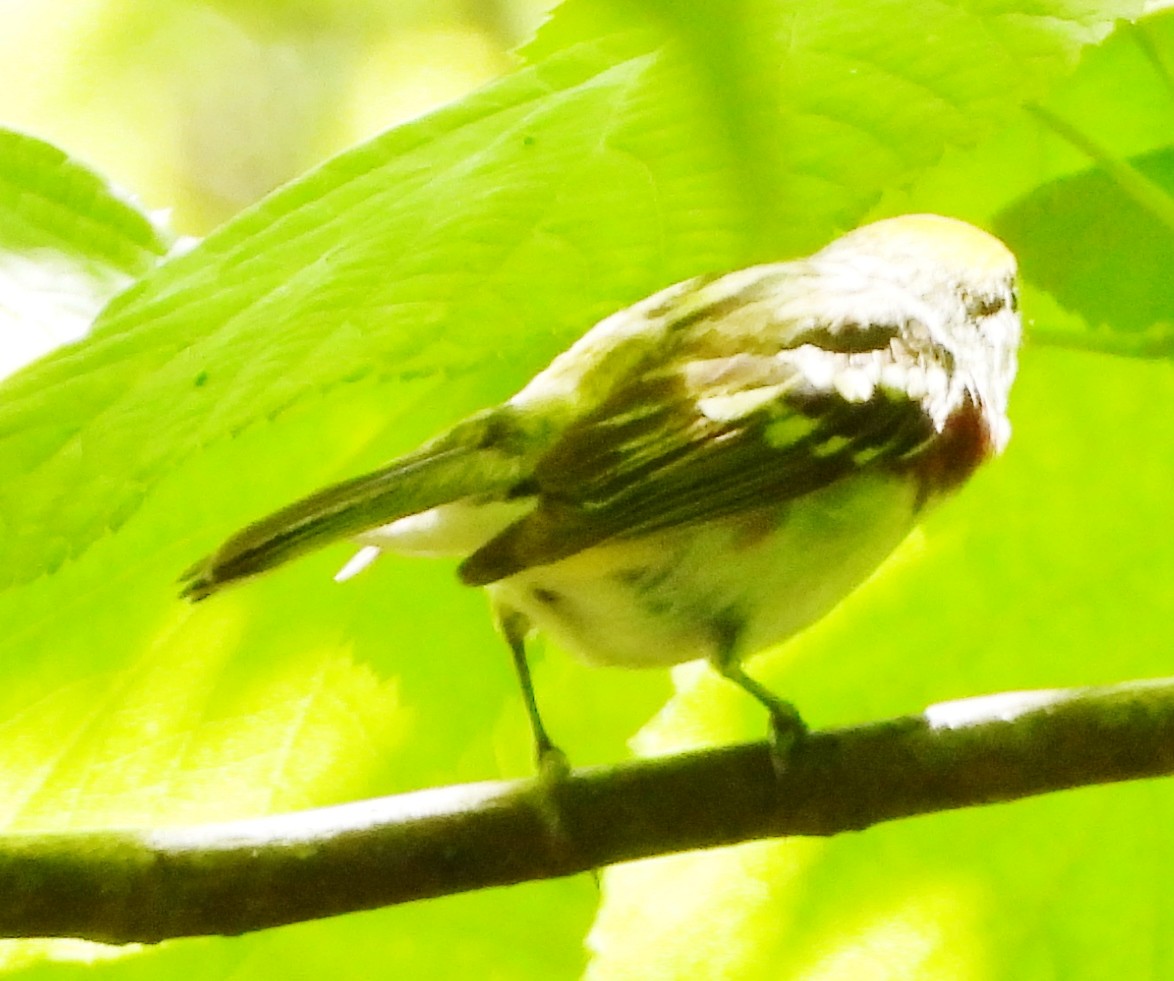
[{"x": 707, "y": 472}]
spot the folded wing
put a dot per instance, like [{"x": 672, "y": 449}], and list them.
[{"x": 716, "y": 437}]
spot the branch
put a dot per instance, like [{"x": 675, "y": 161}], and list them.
[{"x": 149, "y": 885}]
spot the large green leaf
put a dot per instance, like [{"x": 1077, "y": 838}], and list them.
[{"x": 482, "y": 230}]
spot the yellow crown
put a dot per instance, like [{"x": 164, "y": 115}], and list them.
[{"x": 949, "y": 242}]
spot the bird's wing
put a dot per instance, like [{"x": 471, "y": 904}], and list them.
[
  {"x": 476, "y": 458},
  {"x": 717, "y": 437}
]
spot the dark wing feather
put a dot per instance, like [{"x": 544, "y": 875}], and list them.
[{"x": 650, "y": 458}]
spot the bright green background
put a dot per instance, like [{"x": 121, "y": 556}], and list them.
[{"x": 431, "y": 271}]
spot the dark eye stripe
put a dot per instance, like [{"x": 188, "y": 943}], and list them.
[
  {"x": 849, "y": 338},
  {"x": 986, "y": 304}
]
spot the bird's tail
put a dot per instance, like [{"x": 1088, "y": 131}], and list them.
[{"x": 468, "y": 461}]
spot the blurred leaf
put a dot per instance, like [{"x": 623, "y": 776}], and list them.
[
  {"x": 68, "y": 242},
  {"x": 1096, "y": 243},
  {"x": 825, "y": 104},
  {"x": 1110, "y": 258},
  {"x": 1081, "y": 240}
]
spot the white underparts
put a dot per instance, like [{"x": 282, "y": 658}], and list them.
[{"x": 744, "y": 582}]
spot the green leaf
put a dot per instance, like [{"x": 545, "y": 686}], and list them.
[
  {"x": 479, "y": 231},
  {"x": 1081, "y": 187},
  {"x": 68, "y": 242},
  {"x": 1106, "y": 240}
]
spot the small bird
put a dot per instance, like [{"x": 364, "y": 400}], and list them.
[{"x": 709, "y": 471}]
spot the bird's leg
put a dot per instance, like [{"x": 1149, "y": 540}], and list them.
[
  {"x": 786, "y": 724},
  {"x": 553, "y": 768},
  {"x": 552, "y": 762}
]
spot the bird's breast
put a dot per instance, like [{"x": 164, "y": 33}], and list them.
[{"x": 741, "y": 582}]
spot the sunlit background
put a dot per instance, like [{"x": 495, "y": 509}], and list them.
[
  {"x": 203, "y": 106},
  {"x": 226, "y": 385}
]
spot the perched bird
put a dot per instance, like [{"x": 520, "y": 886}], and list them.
[{"x": 707, "y": 472}]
